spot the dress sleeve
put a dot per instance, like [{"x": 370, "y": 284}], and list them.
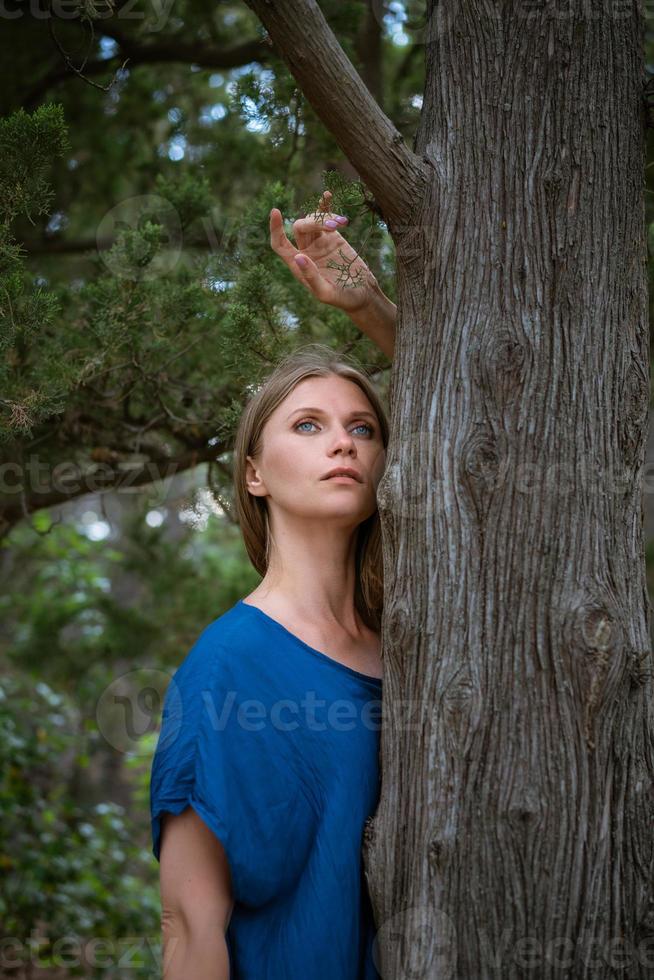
[{"x": 232, "y": 770}]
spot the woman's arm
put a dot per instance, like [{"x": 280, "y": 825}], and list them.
[
  {"x": 318, "y": 260},
  {"x": 377, "y": 320},
  {"x": 196, "y": 900}
]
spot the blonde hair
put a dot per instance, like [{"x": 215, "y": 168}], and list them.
[{"x": 310, "y": 361}]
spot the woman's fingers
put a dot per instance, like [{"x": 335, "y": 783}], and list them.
[
  {"x": 278, "y": 239},
  {"x": 309, "y": 274},
  {"x": 306, "y": 229},
  {"x": 280, "y": 242},
  {"x": 305, "y": 269}
]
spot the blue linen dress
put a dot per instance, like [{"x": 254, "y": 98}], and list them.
[{"x": 276, "y": 746}]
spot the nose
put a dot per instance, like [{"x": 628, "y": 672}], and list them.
[{"x": 345, "y": 441}]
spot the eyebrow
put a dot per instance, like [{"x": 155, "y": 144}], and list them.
[{"x": 319, "y": 411}]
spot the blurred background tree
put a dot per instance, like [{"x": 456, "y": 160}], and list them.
[{"x": 142, "y": 146}]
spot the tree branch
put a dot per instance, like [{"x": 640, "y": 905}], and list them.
[
  {"x": 201, "y": 53},
  {"x": 395, "y": 175},
  {"x": 164, "y": 51}
]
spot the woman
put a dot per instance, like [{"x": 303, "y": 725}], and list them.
[{"x": 260, "y": 786}]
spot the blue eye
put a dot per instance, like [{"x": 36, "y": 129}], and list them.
[{"x": 362, "y": 425}]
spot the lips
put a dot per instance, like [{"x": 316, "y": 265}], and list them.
[{"x": 352, "y": 474}]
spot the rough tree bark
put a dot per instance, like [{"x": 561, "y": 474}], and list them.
[{"x": 514, "y": 834}]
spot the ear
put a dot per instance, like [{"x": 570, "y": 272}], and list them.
[{"x": 253, "y": 480}]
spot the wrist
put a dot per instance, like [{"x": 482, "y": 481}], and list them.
[{"x": 376, "y": 307}]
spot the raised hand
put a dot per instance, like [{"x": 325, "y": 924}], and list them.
[{"x": 323, "y": 260}]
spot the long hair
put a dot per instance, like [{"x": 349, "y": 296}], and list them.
[{"x": 312, "y": 360}]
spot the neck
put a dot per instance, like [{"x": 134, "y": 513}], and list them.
[{"x": 311, "y": 574}]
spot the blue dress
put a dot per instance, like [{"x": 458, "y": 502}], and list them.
[{"x": 276, "y": 746}]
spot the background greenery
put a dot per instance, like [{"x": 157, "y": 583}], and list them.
[{"x": 141, "y": 149}]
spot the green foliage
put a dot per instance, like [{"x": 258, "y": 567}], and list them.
[
  {"x": 28, "y": 143},
  {"x": 68, "y": 619},
  {"x": 73, "y": 861},
  {"x": 31, "y": 390},
  {"x": 188, "y": 193},
  {"x": 67, "y": 870},
  {"x": 190, "y": 280}
]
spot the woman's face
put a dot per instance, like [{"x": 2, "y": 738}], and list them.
[{"x": 322, "y": 424}]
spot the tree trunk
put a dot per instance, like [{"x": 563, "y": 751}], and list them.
[
  {"x": 516, "y": 606},
  {"x": 515, "y": 830}
]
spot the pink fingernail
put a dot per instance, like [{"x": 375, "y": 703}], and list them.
[
  {"x": 341, "y": 220},
  {"x": 301, "y": 261},
  {"x": 330, "y": 224}
]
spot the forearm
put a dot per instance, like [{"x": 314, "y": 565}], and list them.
[
  {"x": 201, "y": 954},
  {"x": 377, "y": 320}
]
